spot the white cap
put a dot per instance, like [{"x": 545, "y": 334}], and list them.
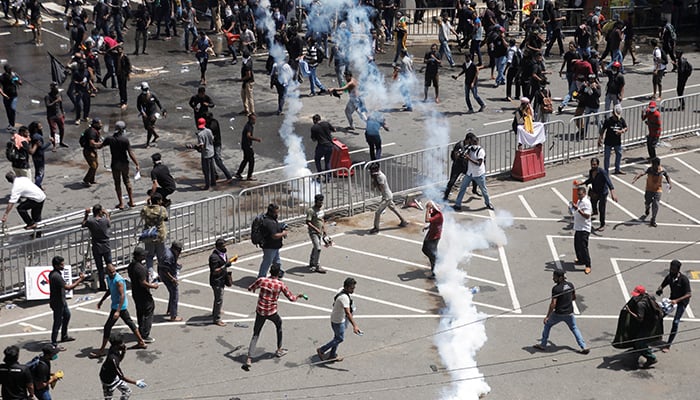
[{"x": 144, "y": 86}]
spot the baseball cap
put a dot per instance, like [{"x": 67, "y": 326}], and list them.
[
  {"x": 96, "y": 121},
  {"x": 652, "y": 104},
  {"x": 120, "y": 125},
  {"x": 144, "y": 86},
  {"x": 639, "y": 289},
  {"x": 176, "y": 245},
  {"x": 201, "y": 123},
  {"x": 49, "y": 349},
  {"x": 139, "y": 252}
]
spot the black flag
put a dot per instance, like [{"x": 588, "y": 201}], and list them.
[{"x": 58, "y": 71}]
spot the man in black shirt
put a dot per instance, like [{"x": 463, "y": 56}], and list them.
[
  {"x": 98, "y": 224},
  {"x": 273, "y": 232},
  {"x": 615, "y": 89},
  {"x": 41, "y": 374},
  {"x": 163, "y": 181},
  {"x": 57, "y": 301},
  {"x": 680, "y": 296},
  {"x": 561, "y": 309},
  {"x": 218, "y": 270},
  {"x": 471, "y": 77},
  {"x": 120, "y": 149},
  {"x": 15, "y": 378},
  {"x": 9, "y": 81},
  {"x": 200, "y": 103},
  {"x": 321, "y": 133},
  {"x": 143, "y": 21},
  {"x": 90, "y": 141},
  {"x": 611, "y": 135},
  {"x": 247, "y": 140},
  {"x": 140, "y": 291},
  {"x": 215, "y": 128},
  {"x": 432, "y": 61},
  {"x": 600, "y": 187},
  {"x": 111, "y": 374},
  {"x": 168, "y": 271},
  {"x": 146, "y": 103}
]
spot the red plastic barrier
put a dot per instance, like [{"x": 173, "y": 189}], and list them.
[
  {"x": 341, "y": 158},
  {"x": 528, "y": 164}
]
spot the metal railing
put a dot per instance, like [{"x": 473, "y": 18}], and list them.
[{"x": 199, "y": 223}]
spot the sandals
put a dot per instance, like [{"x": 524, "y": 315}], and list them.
[
  {"x": 139, "y": 346},
  {"x": 281, "y": 353}
]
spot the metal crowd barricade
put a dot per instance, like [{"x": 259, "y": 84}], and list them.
[
  {"x": 676, "y": 120},
  {"x": 294, "y": 196},
  {"x": 500, "y": 151}
]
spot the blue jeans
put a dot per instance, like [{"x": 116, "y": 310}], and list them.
[
  {"x": 466, "y": 181},
  {"x": 500, "y": 66},
  {"x": 61, "y": 318},
  {"x": 314, "y": 81},
  {"x": 606, "y": 157},
  {"x": 39, "y": 168},
  {"x": 570, "y": 322},
  {"x": 680, "y": 309},
  {"x": 338, "y": 337},
  {"x": 475, "y": 92},
  {"x": 567, "y": 98},
  {"x": 616, "y": 56},
  {"x": 611, "y": 99},
  {"x": 10, "y": 109},
  {"x": 193, "y": 31},
  {"x": 323, "y": 151},
  {"x": 43, "y": 394},
  {"x": 270, "y": 256},
  {"x": 445, "y": 50},
  {"x": 154, "y": 249}
]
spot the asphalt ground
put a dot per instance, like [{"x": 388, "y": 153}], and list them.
[{"x": 399, "y": 310}]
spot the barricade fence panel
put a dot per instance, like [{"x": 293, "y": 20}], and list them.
[{"x": 680, "y": 115}]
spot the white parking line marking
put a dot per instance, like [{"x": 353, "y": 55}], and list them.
[
  {"x": 35, "y": 327},
  {"x": 637, "y": 241},
  {"x": 181, "y": 304},
  {"x": 620, "y": 280},
  {"x": 690, "y": 167},
  {"x": 421, "y": 242},
  {"x": 676, "y": 183},
  {"x": 665, "y": 204},
  {"x": 93, "y": 311},
  {"x": 623, "y": 209},
  {"x": 527, "y": 206},
  {"x": 560, "y": 265},
  {"x": 562, "y": 219},
  {"x": 509, "y": 279}
]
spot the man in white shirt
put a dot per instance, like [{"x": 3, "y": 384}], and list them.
[
  {"x": 475, "y": 158},
  {"x": 379, "y": 181},
  {"x": 341, "y": 316},
  {"x": 24, "y": 188},
  {"x": 443, "y": 36},
  {"x": 659, "y": 69},
  {"x": 582, "y": 211}
]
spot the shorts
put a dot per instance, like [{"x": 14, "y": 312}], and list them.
[
  {"x": 119, "y": 173},
  {"x": 431, "y": 80}
]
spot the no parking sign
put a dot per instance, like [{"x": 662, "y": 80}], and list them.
[{"x": 37, "y": 282}]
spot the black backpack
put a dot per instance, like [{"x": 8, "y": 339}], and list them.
[
  {"x": 14, "y": 154},
  {"x": 664, "y": 57},
  {"x": 257, "y": 236},
  {"x": 84, "y": 139},
  {"x": 684, "y": 67}
]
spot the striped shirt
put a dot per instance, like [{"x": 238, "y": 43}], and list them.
[{"x": 270, "y": 289}]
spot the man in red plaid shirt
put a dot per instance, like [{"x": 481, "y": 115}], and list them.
[{"x": 270, "y": 289}]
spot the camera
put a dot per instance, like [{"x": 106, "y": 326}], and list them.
[{"x": 284, "y": 226}]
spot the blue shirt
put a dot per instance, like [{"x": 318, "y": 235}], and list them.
[
  {"x": 115, "y": 296},
  {"x": 374, "y": 124}
]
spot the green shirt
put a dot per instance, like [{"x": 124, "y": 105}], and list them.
[{"x": 315, "y": 216}]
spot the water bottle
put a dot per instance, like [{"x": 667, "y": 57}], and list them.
[{"x": 474, "y": 289}]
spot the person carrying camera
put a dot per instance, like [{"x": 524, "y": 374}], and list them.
[
  {"x": 273, "y": 232},
  {"x": 218, "y": 265}
]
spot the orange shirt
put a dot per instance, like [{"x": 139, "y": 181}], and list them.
[{"x": 655, "y": 179}]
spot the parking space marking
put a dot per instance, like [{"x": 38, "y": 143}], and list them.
[
  {"x": 561, "y": 196},
  {"x": 620, "y": 279},
  {"x": 527, "y": 206},
  {"x": 676, "y": 183},
  {"x": 93, "y": 311},
  {"x": 195, "y": 307},
  {"x": 509, "y": 280},
  {"x": 623, "y": 209},
  {"x": 557, "y": 261},
  {"x": 654, "y": 241},
  {"x": 420, "y": 242},
  {"x": 664, "y": 203},
  {"x": 35, "y": 327},
  {"x": 685, "y": 164}
]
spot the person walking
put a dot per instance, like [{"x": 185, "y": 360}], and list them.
[
  {"x": 153, "y": 214},
  {"x": 37, "y": 148},
  {"x": 355, "y": 102},
  {"x": 644, "y": 324},
  {"x": 281, "y": 76},
  {"x": 55, "y": 115},
  {"x": 15, "y": 378},
  {"x": 273, "y": 234},
  {"x": 652, "y": 117},
  {"x": 341, "y": 316},
  {"x": 270, "y": 289},
  {"x": 433, "y": 216},
  {"x": 218, "y": 276},
  {"x": 99, "y": 226},
  {"x": 146, "y": 104},
  {"x": 123, "y": 73},
  {"x": 615, "y": 89},
  {"x": 444, "y": 31},
  {"x": 375, "y": 123},
  {"x": 611, "y": 136},
  {"x": 380, "y": 183},
  {"x": 247, "y": 81},
  {"x": 32, "y": 200},
  {"x": 203, "y": 46},
  {"x": 317, "y": 230},
  {"x": 459, "y": 165},
  {"x": 168, "y": 271},
  {"x": 90, "y": 142},
  {"x": 582, "y": 211},
  {"x": 111, "y": 375},
  {"x": 247, "y": 140},
  {"x": 471, "y": 78},
  {"x": 57, "y": 301},
  {"x": 561, "y": 309},
  {"x": 653, "y": 190},
  {"x": 205, "y": 146},
  {"x": 601, "y": 186},
  {"x": 20, "y": 163},
  {"x": 162, "y": 180},
  {"x": 141, "y": 292},
  {"x": 685, "y": 69},
  {"x": 474, "y": 157},
  {"x": 322, "y": 134},
  {"x": 9, "y": 85},
  {"x": 214, "y": 127},
  {"x": 659, "y": 69},
  {"x": 116, "y": 291},
  {"x": 313, "y": 60},
  {"x": 143, "y": 22},
  {"x": 432, "y": 61},
  {"x": 201, "y": 103},
  {"x": 120, "y": 149},
  {"x": 43, "y": 379},
  {"x": 680, "y": 297}
]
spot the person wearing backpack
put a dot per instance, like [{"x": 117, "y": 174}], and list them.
[
  {"x": 341, "y": 316},
  {"x": 15, "y": 378},
  {"x": 273, "y": 232},
  {"x": 513, "y": 62},
  {"x": 685, "y": 69},
  {"x": 40, "y": 368},
  {"x": 668, "y": 42},
  {"x": 660, "y": 61}
]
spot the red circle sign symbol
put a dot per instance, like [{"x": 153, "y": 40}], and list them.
[{"x": 42, "y": 282}]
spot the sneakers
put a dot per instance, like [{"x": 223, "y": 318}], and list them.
[
  {"x": 373, "y": 231},
  {"x": 652, "y": 224},
  {"x": 457, "y": 208},
  {"x": 538, "y": 347},
  {"x": 490, "y": 207},
  {"x": 585, "y": 350},
  {"x": 320, "y": 354},
  {"x": 403, "y": 224},
  {"x": 149, "y": 340},
  {"x": 318, "y": 269}
]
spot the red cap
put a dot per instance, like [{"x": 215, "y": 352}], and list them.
[
  {"x": 201, "y": 123},
  {"x": 652, "y": 103},
  {"x": 639, "y": 289}
]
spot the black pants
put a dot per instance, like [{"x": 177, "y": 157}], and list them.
[
  {"x": 375, "y": 146},
  {"x": 124, "y": 315},
  {"x": 556, "y": 36},
  {"x": 257, "y": 327},
  {"x": 455, "y": 172},
  {"x": 30, "y": 206},
  {"x": 144, "y": 316},
  {"x": 599, "y": 203},
  {"x": 121, "y": 82},
  {"x": 512, "y": 77},
  {"x": 430, "y": 251},
  {"x": 581, "y": 248},
  {"x": 209, "y": 172},
  {"x": 82, "y": 104},
  {"x": 249, "y": 159},
  {"x": 680, "y": 88},
  {"x": 651, "y": 146},
  {"x": 218, "y": 303}
]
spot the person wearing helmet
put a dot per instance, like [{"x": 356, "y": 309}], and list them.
[
  {"x": 615, "y": 89},
  {"x": 146, "y": 103}
]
